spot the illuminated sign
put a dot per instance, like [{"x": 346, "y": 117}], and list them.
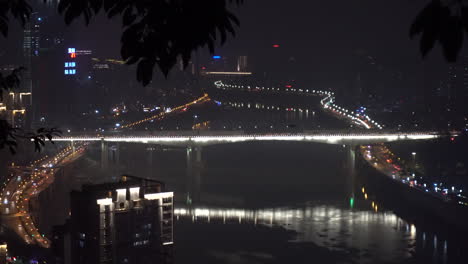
[
  {"x": 71, "y": 50},
  {"x": 73, "y": 55},
  {"x": 70, "y": 64},
  {"x": 70, "y": 72},
  {"x": 216, "y": 57}
]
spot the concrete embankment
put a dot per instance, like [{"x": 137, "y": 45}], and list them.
[{"x": 410, "y": 203}]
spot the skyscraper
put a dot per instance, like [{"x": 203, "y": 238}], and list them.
[
  {"x": 51, "y": 3},
  {"x": 242, "y": 63},
  {"x": 31, "y": 49},
  {"x": 3, "y": 253},
  {"x": 130, "y": 221},
  {"x": 453, "y": 90}
]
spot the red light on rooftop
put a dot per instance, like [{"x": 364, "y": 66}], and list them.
[{"x": 276, "y": 46}]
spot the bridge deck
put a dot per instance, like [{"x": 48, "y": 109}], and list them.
[{"x": 186, "y": 138}]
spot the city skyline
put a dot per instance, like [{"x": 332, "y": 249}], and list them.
[{"x": 230, "y": 131}]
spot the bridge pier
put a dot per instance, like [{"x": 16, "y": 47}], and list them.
[
  {"x": 150, "y": 151},
  {"x": 117, "y": 154},
  {"x": 104, "y": 155},
  {"x": 72, "y": 145},
  {"x": 194, "y": 167},
  {"x": 114, "y": 158},
  {"x": 351, "y": 170}
]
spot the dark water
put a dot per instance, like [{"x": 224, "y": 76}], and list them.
[
  {"x": 290, "y": 203},
  {"x": 276, "y": 202}
]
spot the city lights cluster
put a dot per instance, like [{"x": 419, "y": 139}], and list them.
[
  {"x": 380, "y": 157},
  {"x": 263, "y": 107},
  {"x": 359, "y": 118},
  {"x": 201, "y": 125},
  {"x": 328, "y": 102},
  {"x": 203, "y": 99},
  {"x": 26, "y": 183}
]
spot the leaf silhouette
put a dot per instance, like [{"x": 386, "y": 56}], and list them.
[{"x": 439, "y": 22}]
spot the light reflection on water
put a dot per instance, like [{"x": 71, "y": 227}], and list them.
[{"x": 372, "y": 237}]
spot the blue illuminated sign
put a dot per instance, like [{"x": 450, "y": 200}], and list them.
[
  {"x": 71, "y": 50},
  {"x": 216, "y": 57},
  {"x": 70, "y": 64}
]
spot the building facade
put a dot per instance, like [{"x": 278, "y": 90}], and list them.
[{"x": 130, "y": 221}]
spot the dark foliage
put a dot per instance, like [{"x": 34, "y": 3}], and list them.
[
  {"x": 8, "y": 134},
  {"x": 158, "y": 32},
  {"x": 19, "y": 9},
  {"x": 445, "y": 22}
]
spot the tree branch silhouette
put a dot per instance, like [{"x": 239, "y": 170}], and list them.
[
  {"x": 444, "y": 22},
  {"x": 8, "y": 134},
  {"x": 155, "y": 33}
]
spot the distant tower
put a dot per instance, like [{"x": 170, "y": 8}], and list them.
[
  {"x": 242, "y": 63},
  {"x": 3, "y": 253},
  {"x": 456, "y": 88},
  {"x": 51, "y": 3},
  {"x": 31, "y": 46}
]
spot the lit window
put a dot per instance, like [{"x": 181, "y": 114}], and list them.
[
  {"x": 66, "y": 64},
  {"x": 72, "y": 64},
  {"x": 67, "y": 72}
]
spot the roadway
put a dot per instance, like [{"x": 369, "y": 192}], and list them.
[
  {"x": 181, "y": 108},
  {"x": 26, "y": 183},
  {"x": 383, "y": 159}
]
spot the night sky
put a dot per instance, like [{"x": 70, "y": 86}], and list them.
[{"x": 321, "y": 37}]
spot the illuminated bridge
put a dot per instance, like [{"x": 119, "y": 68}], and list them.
[{"x": 194, "y": 138}]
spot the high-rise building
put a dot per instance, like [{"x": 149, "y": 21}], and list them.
[
  {"x": 457, "y": 84},
  {"x": 3, "y": 253},
  {"x": 31, "y": 49},
  {"x": 130, "y": 221},
  {"x": 13, "y": 104},
  {"x": 452, "y": 93},
  {"x": 51, "y": 3},
  {"x": 242, "y": 64}
]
